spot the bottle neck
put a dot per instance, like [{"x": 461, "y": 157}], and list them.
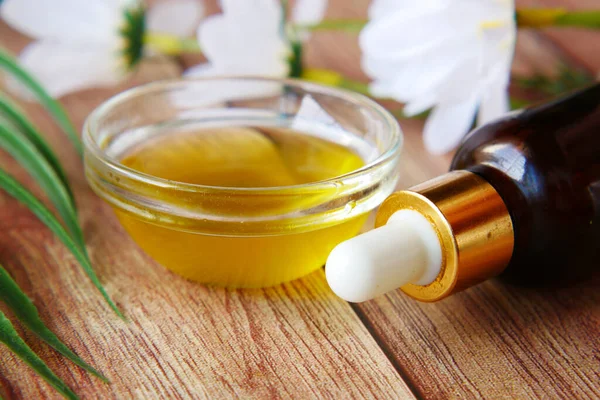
[{"x": 473, "y": 226}]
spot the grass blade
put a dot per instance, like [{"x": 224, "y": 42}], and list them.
[
  {"x": 19, "y": 120},
  {"x": 31, "y": 159},
  {"x": 16, "y": 190},
  {"x": 27, "y": 313},
  {"x": 9, "y": 336},
  {"x": 54, "y": 107}
]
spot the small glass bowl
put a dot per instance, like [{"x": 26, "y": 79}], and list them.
[{"x": 246, "y": 236}]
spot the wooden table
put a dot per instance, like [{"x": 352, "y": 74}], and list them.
[{"x": 295, "y": 340}]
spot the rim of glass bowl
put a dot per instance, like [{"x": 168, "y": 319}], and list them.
[
  {"x": 102, "y": 171},
  {"x": 91, "y": 124}
]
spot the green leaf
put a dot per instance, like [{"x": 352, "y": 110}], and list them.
[
  {"x": 583, "y": 19},
  {"x": 9, "y": 336},
  {"x": 27, "y": 313},
  {"x": 517, "y": 104},
  {"x": 295, "y": 60},
  {"x": 54, "y": 108},
  {"x": 16, "y": 190},
  {"x": 31, "y": 159},
  {"x": 20, "y": 121},
  {"x": 568, "y": 79},
  {"x": 347, "y": 25}
]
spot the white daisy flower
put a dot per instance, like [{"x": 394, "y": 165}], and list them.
[
  {"x": 251, "y": 38},
  {"x": 81, "y": 44},
  {"x": 452, "y": 55}
]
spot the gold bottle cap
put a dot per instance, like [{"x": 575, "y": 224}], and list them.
[{"x": 473, "y": 226}]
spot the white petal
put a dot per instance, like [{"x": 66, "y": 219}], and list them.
[
  {"x": 494, "y": 104},
  {"x": 420, "y": 48},
  {"x": 259, "y": 12},
  {"x": 447, "y": 125},
  {"x": 403, "y": 31},
  {"x": 382, "y": 8},
  {"x": 415, "y": 64},
  {"x": 212, "y": 37},
  {"x": 245, "y": 39},
  {"x": 205, "y": 69},
  {"x": 427, "y": 73},
  {"x": 420, "y": 105},
  {"x": 198, "y": 95},
  {"x": 380, "y": 89},
  {"x": 498, "y": 46},
  {"x": 309, "y": 12},
  {"x": 62, "y": 69},
  {"x": 73, "y": 21},
  {"x": 430, "y": 77},
  {"x": 493, "y": 10},
  {"x": 405, "y": 50},
  {"x": 175, "y": 17}
]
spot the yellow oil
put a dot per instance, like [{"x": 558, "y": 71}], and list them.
[{"x": 241, "y": 157}]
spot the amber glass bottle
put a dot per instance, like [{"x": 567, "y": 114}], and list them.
[
  {"x": 545, "y": 164},
  {"x": 522, "y": 201}
]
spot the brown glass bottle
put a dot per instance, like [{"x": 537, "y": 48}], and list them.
[
  {"x": 522, "y": 201},
  {"x": 544, "y": 162}
]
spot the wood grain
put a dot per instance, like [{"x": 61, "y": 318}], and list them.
[
  {"x": 296, "y": 340},
  {"x": 183, "y": 340},
  {"x": 492, "y": 341}
]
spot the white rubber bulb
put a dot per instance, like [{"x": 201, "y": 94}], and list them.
[{"x": 405, "y": 250}]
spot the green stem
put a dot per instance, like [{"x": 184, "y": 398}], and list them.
[
  {"x": 348, "y": 25},
  {"x": 170, "y": 44},
  {"x": 399, "y": 113},
  {"x": 546, "y": 17},
  {"x": 356, "y": 86},
  {"x": 526, "y": 18},
  {"x": 54, "y": 107},
  {"x": 584, "y": 19},
  {"x": 333, "y": 78}
]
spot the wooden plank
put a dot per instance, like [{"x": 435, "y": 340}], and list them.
[
  {"x": 492, "y": 341},
  {"x": 183, "y": 340}
]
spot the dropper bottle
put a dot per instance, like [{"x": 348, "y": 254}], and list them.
[{"x": 521, "y": 200}]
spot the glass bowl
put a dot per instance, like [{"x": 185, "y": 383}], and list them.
[{"x": 241, "y": 236}]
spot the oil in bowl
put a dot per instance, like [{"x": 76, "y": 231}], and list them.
[
  {"x": 241, "y": 157},
  {"x": 235, "y": 196}
]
